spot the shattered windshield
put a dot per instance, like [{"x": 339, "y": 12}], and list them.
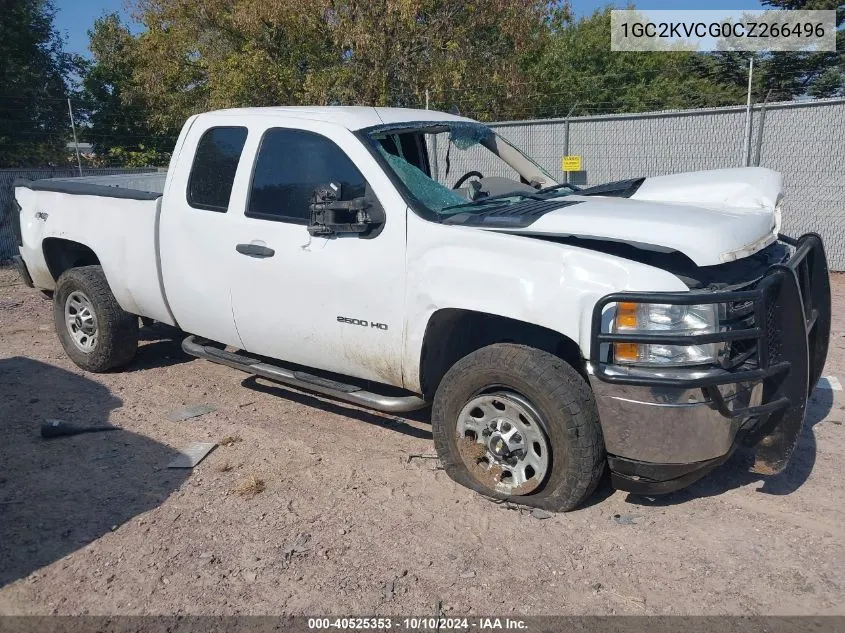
[{"x": 457, "y": 166}]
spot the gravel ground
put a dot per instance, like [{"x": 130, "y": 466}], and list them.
[{"x": 314, "y": 507}]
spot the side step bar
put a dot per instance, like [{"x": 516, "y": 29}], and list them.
[{"x": 303, "y": 380}]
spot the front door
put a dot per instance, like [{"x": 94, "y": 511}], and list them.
[{"x": 335, "y": 303}]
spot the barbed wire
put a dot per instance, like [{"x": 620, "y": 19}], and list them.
[{"x": 517, "y": 101}]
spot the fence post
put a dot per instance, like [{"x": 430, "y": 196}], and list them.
[
  {"x": 75, "y": 142},
  {"x": 435, "y": 167},
  {"x": 566, "y": 140},
  {"x": 746, "y": 143},
  {"x": 760, "y": 124}
]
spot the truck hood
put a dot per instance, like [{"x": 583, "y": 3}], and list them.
[{"x": 712, "y": 217}]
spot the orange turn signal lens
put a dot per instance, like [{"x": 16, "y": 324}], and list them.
[
  {"x": 626, "y": 318},
  {"x": 623, "y": 352},
  {"x": 626, "y": 315}
]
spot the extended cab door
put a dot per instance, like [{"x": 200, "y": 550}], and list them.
[
  {"x": 195, "y": 227},
  {"x": 337, "y": 302}
]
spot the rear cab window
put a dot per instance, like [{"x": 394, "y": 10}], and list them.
[{"x": 213, "y": 170}]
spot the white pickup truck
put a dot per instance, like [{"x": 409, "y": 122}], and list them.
[{"x": 397, "y": 258}]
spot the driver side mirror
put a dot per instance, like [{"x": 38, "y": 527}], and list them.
[{"x": 331, "y": 215}]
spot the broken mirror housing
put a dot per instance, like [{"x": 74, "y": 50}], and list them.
[{"x": 330, "y": 214}]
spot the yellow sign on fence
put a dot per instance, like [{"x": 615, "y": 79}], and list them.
[{"x": 571, "y": 163}]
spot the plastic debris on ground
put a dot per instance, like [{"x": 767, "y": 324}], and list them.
[
  {"x": 190, "y": 411},
  {"x": 60, "y": 428},
  {"x": 830, "y": 382},
  {"x": 192, "y": 455}
]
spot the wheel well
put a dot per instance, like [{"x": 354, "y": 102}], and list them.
[
  {"x": 61, "y": 255},
  {"x": 451, "y": 334}
]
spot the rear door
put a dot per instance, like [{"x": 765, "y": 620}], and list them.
[
  {"x": 335, "y": 303},
  {"x": 195, "y": 229}
]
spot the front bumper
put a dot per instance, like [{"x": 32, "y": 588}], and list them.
[{"x": 664, "y": 429}]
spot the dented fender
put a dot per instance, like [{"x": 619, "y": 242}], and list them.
[{"x": 543, "y": 283}]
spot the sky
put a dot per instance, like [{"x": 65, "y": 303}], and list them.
[{"x": 75, "y": 17}]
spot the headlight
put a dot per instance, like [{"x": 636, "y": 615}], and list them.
[{"x": 665, "y": 318}]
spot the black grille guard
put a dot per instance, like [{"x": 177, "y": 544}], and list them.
[{"x": 791, "y": 329}]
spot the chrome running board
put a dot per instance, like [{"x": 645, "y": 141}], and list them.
[{"x": 303, "y": 380}]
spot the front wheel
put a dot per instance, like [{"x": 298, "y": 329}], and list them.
[
  {"x": 517, "y": 423},
  {"x": 94, "y": 330}
]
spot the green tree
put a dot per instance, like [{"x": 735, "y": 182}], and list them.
[
  {"x": 789, "y": 75},
  {"x": 197, "y": 55},
  {"x": 467, "y": 53},
  {"x": 579, "y": 73},
  {"x": 117, "y": 119},
  {"x": 34, "y": 126},
  {"x": 783, "y": 75}
]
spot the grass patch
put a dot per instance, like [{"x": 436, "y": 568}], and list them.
[
  {"x": 230, "y": 440},
  {"x": 250, "y": 487}
]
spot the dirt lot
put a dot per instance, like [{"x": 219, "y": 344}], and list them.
[{"x": 349, "y": 520}]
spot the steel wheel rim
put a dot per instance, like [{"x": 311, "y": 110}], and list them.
[
  {"x": 503, "y": 443},
  {"x": 81, "y": 321}
]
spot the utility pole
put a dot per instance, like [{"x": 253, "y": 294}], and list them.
[
  {"x": 435, "y": 167},
  {"x": 746, "y": 145},
  {"x": 566, "y": 138},
  {"x": 75, "y": 141}
]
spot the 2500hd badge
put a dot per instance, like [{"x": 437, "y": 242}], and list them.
[{"x": 362, "y": 323}]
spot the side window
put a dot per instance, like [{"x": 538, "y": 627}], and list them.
[
  {"x": 213, "y": 171},
  {"x": 289, "y": 166}
]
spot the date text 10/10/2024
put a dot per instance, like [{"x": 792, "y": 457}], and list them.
[{"x": 417, "y": 624}]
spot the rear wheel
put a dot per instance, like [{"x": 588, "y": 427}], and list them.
[
  {"x": 517, "y": 423},
  {"x": 94, "y": 330}
]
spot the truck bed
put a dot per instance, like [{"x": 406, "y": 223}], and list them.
[
  {"x": 133, "y": 186},
  {"x": 115, "y": 216}
]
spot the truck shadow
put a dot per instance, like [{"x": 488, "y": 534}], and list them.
[
  {"x": 159, "y": 345},
  {"x": 735, "y": 472},
  {"x": 58, "y": 495},
  {"x": 393, "y": 422}
]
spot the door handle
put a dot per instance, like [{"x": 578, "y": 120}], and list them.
[{"x": 255, "y": 250}]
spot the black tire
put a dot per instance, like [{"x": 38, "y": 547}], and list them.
[
  {"x": 558, "y": 394},
  {"x": 117, "y": 330}
]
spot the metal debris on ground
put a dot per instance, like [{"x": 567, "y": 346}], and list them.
[
  {"x": 190, "y": 411},
  {"x": 537, "y": 513},
  {"x": 421, "y": 456},
  {"x": 438, "y": 609},
  {"x": 192, "y": 455},
  {"x": 626, "y": 519},
  {"x": 830, "y": 382},
  {"x": 61, "y": 428}
]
